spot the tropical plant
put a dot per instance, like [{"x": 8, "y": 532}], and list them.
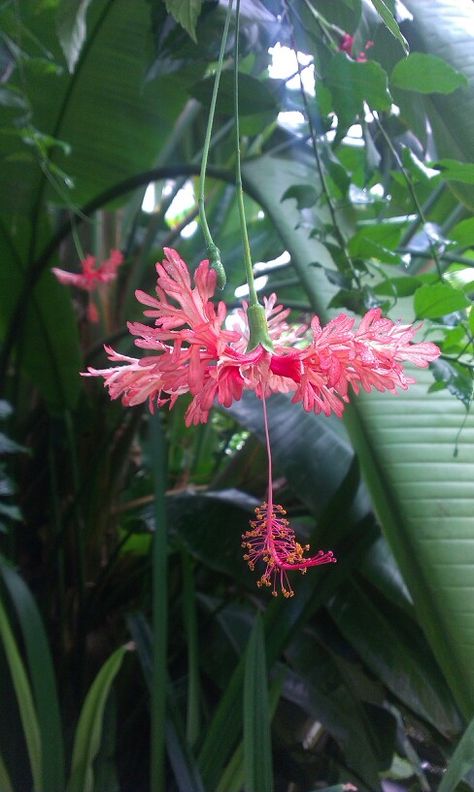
[{"x": 136, "y": 650}]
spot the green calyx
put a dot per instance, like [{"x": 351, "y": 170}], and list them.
[
  {"x": 258, "y": 328},
  {"x": 215, "y": 262}
]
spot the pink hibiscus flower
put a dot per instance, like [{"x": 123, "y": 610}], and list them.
[
  {"x": 91, "y": 277},
  {"x": 190, "y": 348}
]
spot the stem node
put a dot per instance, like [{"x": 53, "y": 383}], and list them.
[{"x": 214, "y": 256}]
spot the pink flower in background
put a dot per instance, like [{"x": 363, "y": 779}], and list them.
[
  {"x": 191, "y": 349},
  {"x": 91, "y": 277},
  {"x": 346, "y": 44}
]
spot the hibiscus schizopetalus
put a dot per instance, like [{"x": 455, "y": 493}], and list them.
[
  {"x": 91, "y": 277},
  {"x": 190, "y": 348}
]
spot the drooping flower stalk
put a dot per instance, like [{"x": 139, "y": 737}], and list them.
[
  {"x": 212, "y": 250},
  {"x": 253, "y": 299},
  {"x": 192, "y": 348},
  {"x": 271, "y": 539},
  {"x": 258, "y": 327}
]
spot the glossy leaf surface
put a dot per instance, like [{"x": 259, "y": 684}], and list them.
[{"x": 421, "y": 491}]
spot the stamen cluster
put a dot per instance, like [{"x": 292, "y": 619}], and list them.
[{"x": 272, "y": 540}]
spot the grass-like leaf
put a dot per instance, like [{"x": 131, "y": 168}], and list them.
[
  {"x": 160, "y": 606},
  {"x": 185, "y": 769},
  {"x": 390, "y": 22},
  {"x": 461, "y": 761},
  {"x": 5, "y": 783},
  {"x": 24, "y": 699},
  {"x": 257, "y": 738},
  {"x": 42, "y": 677},
  {"x": 89, "y": 729}
]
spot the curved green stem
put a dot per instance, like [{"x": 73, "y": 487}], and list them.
[
  {"x": 212, "y": 249},
  {"x": 238, "y": 171},
  {"x": 256, "y": 313},
  {"x": 412, "y": 190}
]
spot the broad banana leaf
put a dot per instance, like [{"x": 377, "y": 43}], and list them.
[{"x": 422, "y": 491}]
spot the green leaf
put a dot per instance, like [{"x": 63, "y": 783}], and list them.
[
  {"x": 11, "y": 98},
  {"x": 437, "y": 300},
  {"x": 42, "y": 676},
  {"x": 195, "y": 517},
  {"x": 318, "y": 447},
  {"x": 334, "y": 788},
  {"x": 255, "y": 96},
  {"x": 257, "y": 740},
  {"x": 458, "y": 380},
  {"x": 398, "y": 287},
  {"x": 71, "y": 29},
  {"x": 105, "y": 764},
  {"x": 180, "y": 757},
  {"x": 88, "y": 735},
  {"x": 422, "y": 493},
  {"x": 9, "y": 446},
  {"x": 453, "y": 170},
  {"x": 390, "y": 22},
  {"x": 186, "y": 13},
  {"x": 461, "y": 762},
  {"x": 10, "y": 511},
  {"x": 463, "y": 233},
  {"x": 24, "y": 699},
  {"x": 445, "y": 29},
  {"x": 191, "y": 627},
  {"x": 267, "y": 179},
  {"x": 232, "y": 779},
  {"x": 304, "y": 194},
  {"x": 460, "y": 277},
  {"x": 455, "y": 339},
  {"x": 5, "y": 409},
  {"x": 352, "y": 84},
  {"x": 328, "y": 690},
  {"x": 282, "y": 619},
  {"x": 157, "y": 460},
  {"x": 423, "y": 496},
  {"x": 5, "y": 783},
  {"x": 426, "y": 74},
  {"x": 86, "y": 109},
  {"x": 388, "y": 643},
  {"x": 415, "y": 167},
  {"x": 375, "y": 242},
  {"x": 380, "y": 569},
  {"x": 51, "y": 351}
]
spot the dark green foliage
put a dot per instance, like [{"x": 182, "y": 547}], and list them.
[{"x": 136, "y": 651}]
